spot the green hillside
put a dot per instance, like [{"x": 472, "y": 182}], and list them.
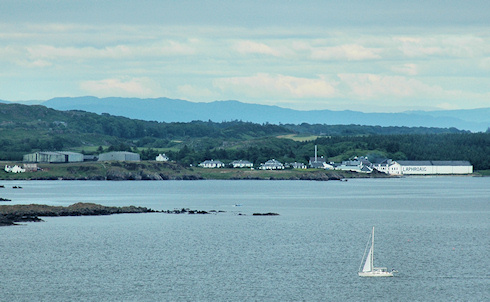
[{"x": 25, "y": 129}]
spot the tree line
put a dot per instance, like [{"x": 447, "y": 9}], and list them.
[
  {"x": 25, "y": 129},
  {"x": 472, "y": 147}
]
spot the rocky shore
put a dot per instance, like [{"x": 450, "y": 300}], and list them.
[
  {"x": 13, "y": 214},
  {"x": 150, "y": 170}
]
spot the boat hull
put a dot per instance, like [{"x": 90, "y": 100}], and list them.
[{"x": 375, "y": 274}]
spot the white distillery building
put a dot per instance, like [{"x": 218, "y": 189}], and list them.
[
  {"x": 429, "y": 167},
  {"x": 357, "y": 164}
]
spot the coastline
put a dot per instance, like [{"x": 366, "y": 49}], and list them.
[
  {"x": 152, "y": 170},
  {"x": 14, "y": 214}
]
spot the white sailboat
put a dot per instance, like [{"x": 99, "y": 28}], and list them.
[{"x": 368, "y": 270}]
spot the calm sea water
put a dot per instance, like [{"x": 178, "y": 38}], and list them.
[{"x": 434, "y": 230}]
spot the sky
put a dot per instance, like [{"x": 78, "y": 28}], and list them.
[{"x": 370, "y": 56}]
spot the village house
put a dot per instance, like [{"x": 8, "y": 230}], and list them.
[
  {"x": 297, "y": 165},
  {"x": 162, "y": 157},
  {"x": 357, "y": 164},
  {"x": 30, "y": 167},
  {"x": 212, "y": 164},
  {"x": 241, "y": 164},
  {"x": 272, "y": 165},
  {"x": 14, "y": 169}
]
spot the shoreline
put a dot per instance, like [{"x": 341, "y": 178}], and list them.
[
  {"x": 152, "y": 170},
  {"x": 15, "y": 214}
]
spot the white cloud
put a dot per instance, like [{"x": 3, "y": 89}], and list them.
[
  {"x": 135, "y": 87},
  {"x": 285, "y": 65},
  {"x": 485, "y": 63},
  {"x": 191, "y": 92},
  {"x": 372, "y": 86},
  {"x": 165, "y": 48},
  {"x": 446, "y": 106},
  {"x": 252, "y": 47},
  {"x": 368, "y": 86},
  {"x": 449, "y": 45},
  {"x": 351, "y": 52},
  {"x": 34, "y": 63},
  {"x": 407, "y": 69},
  {"x": 277, "y": 86},
  {"x": 418, "y": 47}
]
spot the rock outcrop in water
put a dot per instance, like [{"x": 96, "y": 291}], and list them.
[
  {"x": 265, "y": 214},
  {"x": 11, "y": 214}
]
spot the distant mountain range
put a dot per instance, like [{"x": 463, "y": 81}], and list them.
[{"x": 174, "y": 110}]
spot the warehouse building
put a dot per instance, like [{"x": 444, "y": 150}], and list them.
[
  {"x": 53, "y": 157},
  {"x": 119, "y": 156},
  {"x": 428, "y": 167}
]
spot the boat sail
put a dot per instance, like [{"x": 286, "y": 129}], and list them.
[{"x": 368, "y": 270}]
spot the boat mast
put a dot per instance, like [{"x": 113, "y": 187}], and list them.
[{"x": 372, "y": 251}]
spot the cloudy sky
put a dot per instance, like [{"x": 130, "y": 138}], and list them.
[{"x": 383, "y": 56}]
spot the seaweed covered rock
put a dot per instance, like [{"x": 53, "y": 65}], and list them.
[{"x": 10, "y": 214}]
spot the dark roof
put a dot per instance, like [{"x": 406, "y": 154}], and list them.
[
  {"x": 318, "y": 159},
  {"x": 378, "y": 161},
  {"x": 434, "y": 163},
  {"x": 414, "y": 162},
  {"x": 241, "y": 161},
  {"x": 451, "y": 163}
]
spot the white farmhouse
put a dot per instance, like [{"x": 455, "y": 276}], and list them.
[
  {"x": 162, "y": 157},
  {"x": 212, "y": 164},
  {"x": 297, "y": 165},
  {"x": 272, "y": 165},
  {"x": 241, "y": 164},
  {"x": 14, "y": 169}
]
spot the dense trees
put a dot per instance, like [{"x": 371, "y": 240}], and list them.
[
  {"x": 25, "y": 129},
  {"x": 473, "y": 147}
]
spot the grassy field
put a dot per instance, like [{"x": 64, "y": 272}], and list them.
[
  {"x": 148, "y": 170},
  {"x": 153, "y": 170},
  {"x": 483, "y": 172},
  {"x": 299, "y": 137}
]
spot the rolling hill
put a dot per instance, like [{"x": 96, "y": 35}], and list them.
[{"x": 174, "y": 110}]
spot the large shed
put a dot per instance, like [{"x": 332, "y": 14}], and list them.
[
  {"x": 430, "y": 167},
  {"x": 53, "y": 157},
  {"x": 119, "y": 156}
]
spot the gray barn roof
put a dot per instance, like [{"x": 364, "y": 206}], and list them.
[{"x": 434, "y": 163}]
